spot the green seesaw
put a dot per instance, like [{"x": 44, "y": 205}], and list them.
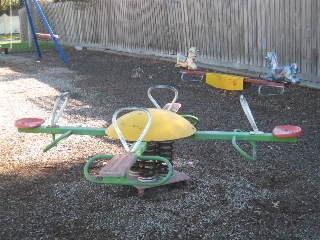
[{"x": 150, "y": 130}]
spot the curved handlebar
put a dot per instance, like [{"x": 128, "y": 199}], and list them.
[
  {"x": 143, "y": 133},
  {"x": 270, "y": 94},
  {"x": 191, "y": 80},
  {"x": 247, "y": 111},
  {"x": 55, "y": 117},
  {"x": 192, "y": 117},
  {"x": 163, "y": 86}
]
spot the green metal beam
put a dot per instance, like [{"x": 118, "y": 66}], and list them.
[
  {"x": 61, "y": 130},
  {"x": 200, "y": 135},
  {"x": 141, "y": 148},
  {"x": 240, "y": 136}
]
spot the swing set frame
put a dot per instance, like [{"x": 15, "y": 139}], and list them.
[{"x": 50, "y": 35}]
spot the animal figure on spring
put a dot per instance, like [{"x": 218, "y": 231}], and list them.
[
  {"x": 287, "y": 74},
  {"x": 187, "y": 62}
]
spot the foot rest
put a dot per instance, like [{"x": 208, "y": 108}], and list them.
[
  {"x": 287, "y": 131},
  {"x": 175, "y": 107},
  {"x": 28, "y": 123},
  {"x": 194, "y": 72},
  {"x": 118, "y": 166}
]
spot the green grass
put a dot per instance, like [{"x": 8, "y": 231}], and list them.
[
  {"x": 7, "y": 37},
  {"x": 24, "y": 46},
  {"x": 5, "y": 41}
]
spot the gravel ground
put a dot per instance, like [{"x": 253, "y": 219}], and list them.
[{"x": 45, "y": 195}]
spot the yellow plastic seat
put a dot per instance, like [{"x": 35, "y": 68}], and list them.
[
  {"x": 166, "y": 125},
  {"x": 225, "y": 81}
]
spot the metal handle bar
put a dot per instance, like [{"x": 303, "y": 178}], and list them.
[
  {"x": 143, "y": 133},
  {"x": 55, "y": 117},
  {"x": 271, "y": 94},
  {"x": 248, "y": 113},
  {"x": 191, "y": 80},
  {"x": 163, "y": 86}
]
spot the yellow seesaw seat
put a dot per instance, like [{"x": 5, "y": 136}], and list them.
[{"x": 225, "y": 81}]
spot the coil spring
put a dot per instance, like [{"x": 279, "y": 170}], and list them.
[
  {"x": 135, "y": 168},
  {"x": 164, "y": 149},
  {"x": 146, "y": 170}
]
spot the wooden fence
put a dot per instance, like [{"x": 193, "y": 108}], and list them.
[
  {"x": 229, "y": 33},
  {"x": 9, "y": 23}
]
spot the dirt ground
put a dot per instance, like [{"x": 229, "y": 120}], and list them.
[{"x": 46, "y": 196}]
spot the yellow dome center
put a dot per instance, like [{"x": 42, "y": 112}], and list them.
[{"x": 165, "y": 126}]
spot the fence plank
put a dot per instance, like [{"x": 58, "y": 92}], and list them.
[
  {"x": 314, "y": 35},
  {"x": 317, "y": 44}
]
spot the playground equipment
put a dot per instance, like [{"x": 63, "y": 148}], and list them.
[
  {"x": 50, "y": 35},
  {"x": 287, "y": 74},
  {"x": 187, "y": 62},
  {"x": 45, "y": 35},
  {"x": 148, "y": 161},
  {"x": 279, "y": 78}
]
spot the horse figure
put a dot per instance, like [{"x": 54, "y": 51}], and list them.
[
  {"x": 287, "y": 74},
  {"x": 187, "y": 62}
]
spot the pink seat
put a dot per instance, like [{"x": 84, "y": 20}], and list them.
[
  {"x": 287, "y": 131},
  {"x": 27, "y": 123}
]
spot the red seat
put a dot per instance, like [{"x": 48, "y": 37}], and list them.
[
  {"x": 287, "y": 131},
  {"x": 27, "y": 123}
]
